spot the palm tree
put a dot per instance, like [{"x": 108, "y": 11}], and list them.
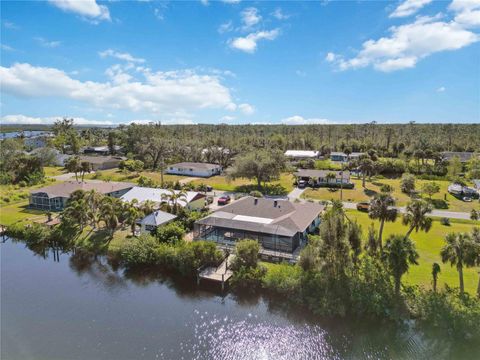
[
  {"x": 416, "y": 216},
  {"x": 132, "y": 214},
  {"x": 474, "y": 256},
  {"x": 381, "y": 209},
  {"x": 94, "y": 199},
  {"x": 365, "y": 165},
  {"x": 85, "y": 167},
  {"x": 76, "y": 212},
  {"x": 147, "y": 207},
  {"x": 109, "y": 214},
  {"x": 435, "y": 272},
  {"x": 174, "y": 197},
  {"x": 399, "y": 254},
  {"x": 457, "y": 251}
]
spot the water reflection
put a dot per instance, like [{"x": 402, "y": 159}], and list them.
[{"x": 102, "y": 311}]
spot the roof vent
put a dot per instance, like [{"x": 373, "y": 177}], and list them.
[
  {"x": 275, "y": 203},
  {"x": 255, "y": 201}
]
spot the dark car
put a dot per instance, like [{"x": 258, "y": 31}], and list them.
[
  {"x": 301, "y": 184},
  {"x": 363, "y": 206},
  {"x": 223, "y": 200}
]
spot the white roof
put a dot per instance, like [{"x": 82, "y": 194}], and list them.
[
  {"x": 254, "y": 219},
  {"x": 144, "y": 193},
  {"x": 157, "y": 218},
  {"x": 301, "y": 153}
]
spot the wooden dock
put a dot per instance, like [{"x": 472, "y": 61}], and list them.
[{"x": 221, "y": 273}]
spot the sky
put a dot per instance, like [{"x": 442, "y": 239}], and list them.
[{"x": 239, "y": 62}]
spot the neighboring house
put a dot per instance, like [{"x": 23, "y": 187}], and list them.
[
  {"x": 342, "y": 157},
  {"x": 100, "y": 150},
  {"x": 321, "y": 177},
  {"x": 279, "y": 226},
  {"x": 194, "y": 169},
  {"x": 462, "y": 155},
  {"x": 55, "y": 197},
  {"x": 460, "y": 190},
  {"x": 194, "y": 200},
  {"x": 59, "y": 160},
  {"x": 152, "y": 221},
  {"x": 102, "y": 162},
  {"x": 301, "y": 154}
]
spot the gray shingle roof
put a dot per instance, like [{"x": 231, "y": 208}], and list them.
[
  {"x": 66, "y": 188},
  {"x": 157, "y": 218},
  {"x": 269, "y": 216}
]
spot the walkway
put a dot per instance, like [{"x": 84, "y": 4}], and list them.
[{"x": 295, "y": 194}]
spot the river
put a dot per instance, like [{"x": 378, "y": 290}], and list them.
[{"x": 81, "y": 307}]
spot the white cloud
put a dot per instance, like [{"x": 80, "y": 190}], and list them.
[
  {"x": 331, "y": 57},
  {"x": 467, "y": 12},
  {"x": 29, "y": 120},
  {"x": 408, "y": 44},
  {"x": 86, "y": 8},
  {"x": 248, "y": 44},
  {"x": 10, "y": 25},
  {"x": 120, "y": 56},
  {"x": 280, "y": 15},
  {"x": 6, "y": 47},
  {"x": 46, "y": 43},
  {"x": 409, "y": 7},
  {"x": 204, "y": 2},
  {"x": 247, "y": 109},
  {"x": 231, "y": 1},
  {"x": 441, "y": 89},
  {"x": 227, "y": 118},
  {"x": 172, "y": 121},
  {"x": 300, "y": 120},
  {"x": 155, "y": 92},
  {"x": 250, "y": 17},
  {"x": 225, "y": 27}
]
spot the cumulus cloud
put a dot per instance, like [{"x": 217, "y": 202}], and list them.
[
  {"x": 46, "y": 43},
  {"x": 409, "y": 7},
  {"x": 247, "y": 109},
  {"x": 225, "y": 27},
  {"x": 280, "y": 15},
  {"x": 21, "y": 119},
  {"x": 86, "y": 8},
  {"x": 250, "y": 17},
  {"x": 467, "y": 12},
  {"x": 248, "y": 43},
  {"x": 300, "y": 120},
  {"x": 441, "y": 89},
  {"x": 408, "y": 44},
  {"x": 150, "y": 91},
  {"x": 120, "y": 56}
]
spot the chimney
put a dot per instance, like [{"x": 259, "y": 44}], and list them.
[{"x": 275, "y": 203}]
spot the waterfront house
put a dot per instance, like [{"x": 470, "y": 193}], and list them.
[
  {"x": 55, "y": 197},
  {"x": 342, "y": 157},
  {"x": 324, "y": 178},
  {"x": 280, "y": 226},
  {"x": 193, "y": 200},
  {"x": 152, "y": 221},
  {"x": 194, "y": 169},
  {"x": 301, "y": 154},
  {"x": 102, "y": 162}
]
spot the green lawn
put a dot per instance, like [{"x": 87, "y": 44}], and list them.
[
  {"x": 11, "y": 194},
  {"x": 221, "y": 182},
  {"x": 118, "y": 175},
  {"x": 428, "y": 246},
  {"x": 10, "y": 214},
  {"x": 53, "y": 170},
  {"x": 358, "y": 193}
]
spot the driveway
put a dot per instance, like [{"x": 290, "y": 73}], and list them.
[
  {"x": 64, "y": 177},
  {"x": 295, "y": 194}
]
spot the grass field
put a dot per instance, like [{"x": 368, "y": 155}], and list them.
[
  {"x": 118, "y": 175},
  {"x": 428, "y": 246},
  {"x": 53, "y": 170},
  {"x": 222, "y": 183},
  {"x": 12, "y": 213},
  {"x": 359, "y": 193}
]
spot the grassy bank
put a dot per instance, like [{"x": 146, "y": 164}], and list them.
[
  {"x": 224, "y": 184},
  {"x": 428, "y": 246},
  {"x": 118, "y": 175}
]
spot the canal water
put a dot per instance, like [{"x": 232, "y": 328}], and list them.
[{"x": 81, "y": 307}]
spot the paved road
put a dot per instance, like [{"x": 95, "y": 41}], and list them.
[{"x": 64, "y": 177}]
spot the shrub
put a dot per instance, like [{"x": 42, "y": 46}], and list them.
[
  {"x": 407, "y": 184},
  {"x": 256, "y": 193},
  {"x": 249, "y": 278},
  {"x": 284, "y": 279},
  {"x": 146, "y": 182},
  {"x": 246, "y": 254},
  {"x": 170, "y": 233},
  {"x": 190, "y": 256},
  {"x": 445, "y": 221},
  {"x": 141, "y": 251}
]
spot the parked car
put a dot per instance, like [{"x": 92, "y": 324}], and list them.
[
  {"x": 363, "y": 206},
  {"x": 301, "y": 184},
  {"x": 209, "y": 188},
  {"x": 223, "y": 200}
]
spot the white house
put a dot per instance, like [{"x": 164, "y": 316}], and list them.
[
  {"x": 193, "y": 200},
  {"x": 194, "y": 169},
  {"x": 152, "y": 221},
  {"x": 301, "y": 154},
  {"x": 342, "y": 157}
]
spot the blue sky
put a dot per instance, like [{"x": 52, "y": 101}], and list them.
[{"x": 240, "y": 62}]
